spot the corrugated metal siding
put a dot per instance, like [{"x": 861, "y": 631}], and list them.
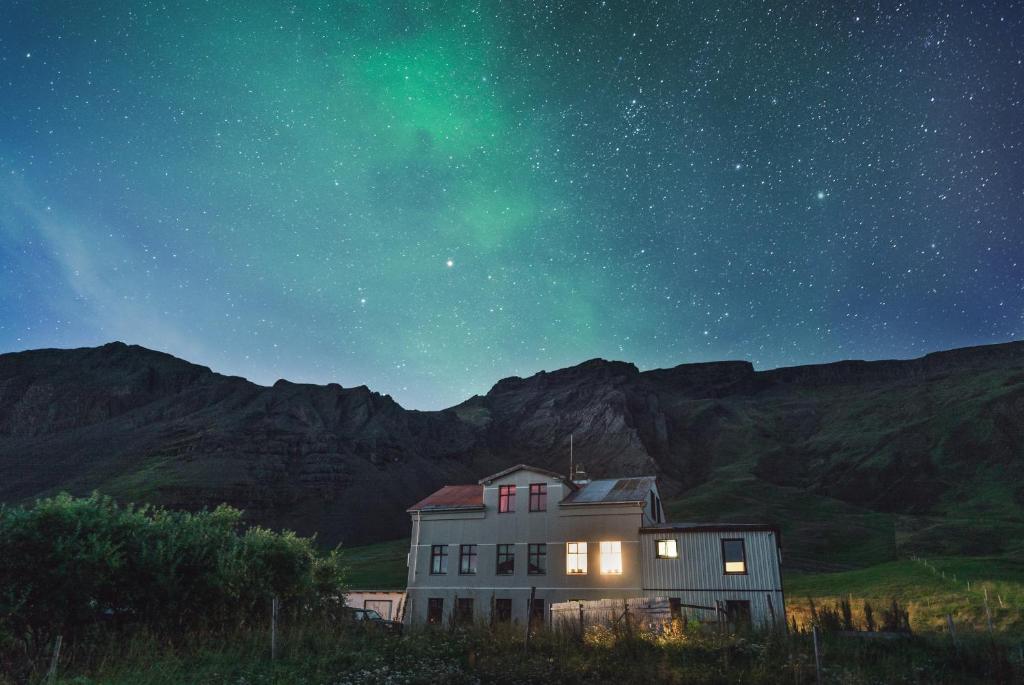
[{"x": 699, "y": 565}]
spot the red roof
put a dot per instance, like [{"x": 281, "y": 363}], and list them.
[{"x": 452, "y": 497}]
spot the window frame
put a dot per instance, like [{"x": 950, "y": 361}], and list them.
[
  {"x": 502, "y": 610},
  {"x": 508, "y": 555},
  {"x": 657, "y": 548},
  {"x": 584, "y": 554},
  {"x": 506, "y": 499},
  {"x": 537, "y": 551},
  {"x": 433, "y": 602},
  {"x": 743, "y": 551},
  {"x": 538, "y": 494},
  {"x": 439, "y": 552},
  {"x": 610, "y": 554},
  {"x": 471, "y": 553}
]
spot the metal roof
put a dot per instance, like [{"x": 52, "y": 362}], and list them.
[
  {"x": 708, "y": 528},
  {"x": 526, "y": 467},
  {"x": 613, "y": 491},
  {"x": 452, "y": 497}
]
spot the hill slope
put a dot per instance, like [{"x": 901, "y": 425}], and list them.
[{"x": 858, "y": 461}]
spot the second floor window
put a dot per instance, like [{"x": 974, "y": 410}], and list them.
[
  {"x": 538, "y": 497},
  {"x": 438, "y": 559},
  {"x": 611, "y": 558},
  {"x": 506, "y": 498},
  {"x": 506, "y": 561},
  {"x": 537, "y": 559},
  {"x": 467, "y": 560},
  {"x": 576, "y": 558}
]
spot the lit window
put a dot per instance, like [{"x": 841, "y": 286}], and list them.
[
  {"x": 538, "y": 497},
  {"x": 734, "y": 556},
  {"x": 667, "y": 549},
  {"x": 506, "y": 499},
  {"x": 576, "y": 558},
  {"x": 611, "y": 558}
]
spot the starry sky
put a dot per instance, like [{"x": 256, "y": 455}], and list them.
[{"x": 427, "y": 197}]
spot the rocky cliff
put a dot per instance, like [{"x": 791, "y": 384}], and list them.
[{"x": 919, "y": 453}]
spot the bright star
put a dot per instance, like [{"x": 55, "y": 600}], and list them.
[
  {"x": 821, "y": 194},
  {"x": 449, "y": 263}
]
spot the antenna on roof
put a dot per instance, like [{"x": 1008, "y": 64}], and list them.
[{"x": 570, "y": 456}]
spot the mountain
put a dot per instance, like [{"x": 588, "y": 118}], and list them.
[{"x": 859, "y": 462}]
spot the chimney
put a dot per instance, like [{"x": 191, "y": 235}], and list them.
[{"x": 579, "y": 476}]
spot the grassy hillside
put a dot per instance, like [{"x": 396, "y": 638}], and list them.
[{"x": 380, "y": 566}]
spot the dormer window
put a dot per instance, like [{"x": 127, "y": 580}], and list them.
[
  {"x": 506, "y": 499},
  {"x": 538, "y": 497}
]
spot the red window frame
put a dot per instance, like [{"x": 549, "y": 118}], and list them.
[
  {"x": 538, "y": 497},
  {"x": 506, "y": 499}
]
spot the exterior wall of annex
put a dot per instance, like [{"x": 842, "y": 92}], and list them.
[{"x": 695, "y": 576}]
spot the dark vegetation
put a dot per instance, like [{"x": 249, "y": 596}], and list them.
[
  {"x": 150, "y": 596},
  {"x": 96, "y": 573}
]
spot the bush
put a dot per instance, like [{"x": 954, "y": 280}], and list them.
[{"x": 82, "y": 567}]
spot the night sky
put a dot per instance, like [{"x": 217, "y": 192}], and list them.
[{"x": 427, "y": 197}]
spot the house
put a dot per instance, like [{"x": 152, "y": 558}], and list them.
[{"x": 506, "y": 548}]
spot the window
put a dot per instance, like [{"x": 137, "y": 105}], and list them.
[
  {"x": 537, "y": 559},
  {"x": 734, "y": 556},
  {"x": 537, "y": 613},
  {"x": 506, "y": 498},
  {"x": 467, "y": 560},
  {"x": 464, "y": 610},
  {"x": 576, "y": 558},
  {"x": 611, "y": 558},
  {"x": 506, "y": 562},
  {"x": 538, "y": 497},
  {"x": 435, "y": 610},
  {"x": 675, "y": 608},
  {"x": 438, "y": 560},
  {"x": 502, "y": 610},
  {"x": 667, "y": 549}
]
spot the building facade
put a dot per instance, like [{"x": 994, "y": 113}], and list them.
[{"x": 508, "y": 547}]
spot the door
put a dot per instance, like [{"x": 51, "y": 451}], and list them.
[
  {"x": 435, "y": 610},
  {"x": 537, "y": 614},
  {"x": 737, "y": 613}
]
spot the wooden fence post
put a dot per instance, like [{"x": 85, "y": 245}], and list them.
[
  {"x": 51, "y": 675},
  {"x": 273, "y": 628},
  {"x": 529, "y": 617},
  {"x": 952, "y": 629},
  {"x": 988, "y": 612},
  {"x": 817, "y": 654}
]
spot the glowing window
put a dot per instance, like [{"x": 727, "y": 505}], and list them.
[
  {"x": 734, "y": 556},
  {"x": 576, "y": 558},
  {"x": 667, "y": 549},
  {"x": 611, "y": 558},
  {"x": 506, "y": 499}
]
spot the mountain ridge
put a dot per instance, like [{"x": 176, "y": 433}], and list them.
[{"x": 908, "y": 448}]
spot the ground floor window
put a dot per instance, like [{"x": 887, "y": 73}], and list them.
[
  {"x": 502, "y": 610},
  {"x": 675, "y": 606},
  {"x": 537, "y": 613},
  {"x": 435, "y": 610},
  {"x": 734, "y": 557},
  {"x": 737, "y": 613},
  {"x": 464, "y": 610}
]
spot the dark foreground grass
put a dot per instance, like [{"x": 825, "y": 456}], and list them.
[{"x": 478, "y": 655}]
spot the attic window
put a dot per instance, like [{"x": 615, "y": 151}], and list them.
[
  {"x": 538, "y": 497},
  {"x": 667, "y": 549},
  {"x": 506, "y": 499},
  {"x": 611, "y": 558}
]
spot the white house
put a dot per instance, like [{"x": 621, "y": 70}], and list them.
[{"x": 511, "y": 545}]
